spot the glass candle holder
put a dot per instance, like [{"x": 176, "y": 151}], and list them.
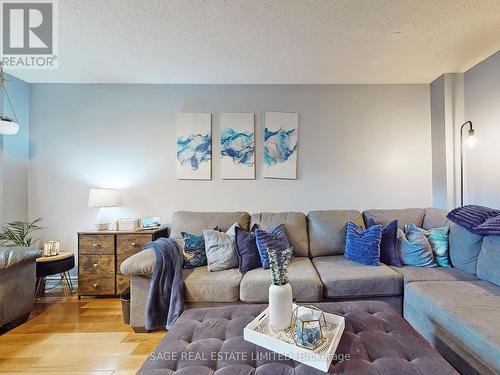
[
  {"x": 50, "y": 248},
  {"x": 308, "y": 324}
]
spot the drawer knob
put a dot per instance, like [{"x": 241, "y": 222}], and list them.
[
  {"x": 95, "y": 285},
  {"x": 95, "y": 245},
  {"x": 95, "y": 265},
  {"x": 133, "y": 244}
]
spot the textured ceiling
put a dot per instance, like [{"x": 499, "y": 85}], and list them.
[{"x": 280, "y": 41}]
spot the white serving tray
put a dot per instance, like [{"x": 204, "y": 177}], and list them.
[{"x": 260, "y": 333}]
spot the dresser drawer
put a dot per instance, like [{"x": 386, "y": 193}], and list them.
[
  {"x": 97, "y": 244},
  {"x": 102, "y": 265},
  {"x": 96, "y": 285},
  {"x": 128, "y": 245}
]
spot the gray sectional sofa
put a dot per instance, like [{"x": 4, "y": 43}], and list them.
[{"x": 456, "y": 309}]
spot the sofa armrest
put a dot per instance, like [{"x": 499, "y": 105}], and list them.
[
  {"x": 10, "y": 256},
  {"x": 140, "y": 264}
]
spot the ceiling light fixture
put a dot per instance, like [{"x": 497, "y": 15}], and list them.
[{"x": 7, "y": 125}]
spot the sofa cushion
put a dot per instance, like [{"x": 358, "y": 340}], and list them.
[
  {"x": 295, "y": 225},
  {"x": 327, "y": 230},
  {"x": 465, "y": 247},
  {"x": 305, "y": 282},
  {"x": 463, "y": 312},
  {"x": 411, "y": 274},
  {"x": 197, "y": 222},
  {"x": 488, "y": 262},
  {"x": 201, "y": 285},
  {"x": 403, "y": 216},
  {"x": 343, "y": 279},
  {"x": 435, "y": 218}
]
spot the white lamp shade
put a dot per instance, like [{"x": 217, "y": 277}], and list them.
[
  {"x": 104, "y": 198},
  {"x": 8, "y": 127},
  {"x": 471, "y": 141}
]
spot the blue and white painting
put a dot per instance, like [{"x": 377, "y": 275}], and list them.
[
  {"x": 237, "y": 140},
  {"x": 194, "y": 146},
  {"x": 281, "y": 136}
]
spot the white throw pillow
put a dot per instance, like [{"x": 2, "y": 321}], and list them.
[{"x": 221, "y": 254}]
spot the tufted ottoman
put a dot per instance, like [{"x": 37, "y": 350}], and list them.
[{"x": 376, "y": 339}]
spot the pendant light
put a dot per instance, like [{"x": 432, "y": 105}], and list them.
[{"x": 7, "y": 125}]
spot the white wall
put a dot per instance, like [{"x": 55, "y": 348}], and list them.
[
  {"x": 447, "y": 116},
  {"x": 361, "y": 147},
  {"x": 438, "y": 130},
  {"x": 14, "y": 155},
  {"x": 482, "y": 107}
]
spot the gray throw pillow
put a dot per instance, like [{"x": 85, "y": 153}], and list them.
[{"x": 221, "y": 254}]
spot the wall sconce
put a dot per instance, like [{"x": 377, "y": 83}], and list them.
[
  {"x": 7, "y": 125},
  {"x": 470, "y": 142}
]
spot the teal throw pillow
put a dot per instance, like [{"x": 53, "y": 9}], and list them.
[
  {"x": 415, "y": 249},
  {"x": 438, "y": 238}
]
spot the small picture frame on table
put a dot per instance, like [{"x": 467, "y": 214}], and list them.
[{"x": 150, "y": 222}]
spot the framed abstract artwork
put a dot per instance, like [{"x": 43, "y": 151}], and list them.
[
  {"x": 237, "y": 141},
  {"x": 281, "y": 136},
  {"x": 194, "y": 146}
]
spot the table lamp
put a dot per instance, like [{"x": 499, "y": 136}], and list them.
[{"x": 103, "y": 198}]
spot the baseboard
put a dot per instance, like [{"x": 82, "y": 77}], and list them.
[{"x": 54, "y": 281}]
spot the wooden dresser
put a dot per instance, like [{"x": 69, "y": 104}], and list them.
[{"x": 100, "y": 255}]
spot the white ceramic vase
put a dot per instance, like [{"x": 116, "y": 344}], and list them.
[{"x": 280, "y": 306}]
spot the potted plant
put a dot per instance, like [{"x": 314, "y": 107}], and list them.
[
  {"x": 19, "y": 233},
  {"x": 280, "y": 291}
]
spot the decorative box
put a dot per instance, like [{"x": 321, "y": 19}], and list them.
[
  {"x": 259, "y": 332},
  {"x": 128, "y": 224}
]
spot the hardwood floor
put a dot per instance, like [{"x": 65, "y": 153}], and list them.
[{"x": 78, "y": 337}]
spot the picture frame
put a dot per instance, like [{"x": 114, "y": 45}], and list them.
[{"x": 150, "y": 222}]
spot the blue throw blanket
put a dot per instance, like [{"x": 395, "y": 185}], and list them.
[
  {"x": 166, "y": 293},
  {"x": 477, "y": 219}
]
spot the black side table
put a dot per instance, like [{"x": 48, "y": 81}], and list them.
[{"x": 58, "y": 264}]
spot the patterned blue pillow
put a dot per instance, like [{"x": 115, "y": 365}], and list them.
[
  {"x": 275, "y": 239},
  {"x": 439, "y": 241},
  {"x": 193, "y": 250},
  {"x": 363, "y": 246}
]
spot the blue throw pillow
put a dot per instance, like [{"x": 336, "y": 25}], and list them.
[
  {"x": 275, "y": 239},
  {"x": 389, "y": 252},
  {"x": 438, "y": 239},
  {"x": 415, "y": 249},
  {"x": 363, "y": 246},
  {"x": 193, "y": 250},
  {"x": 246, "y": 250}
]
